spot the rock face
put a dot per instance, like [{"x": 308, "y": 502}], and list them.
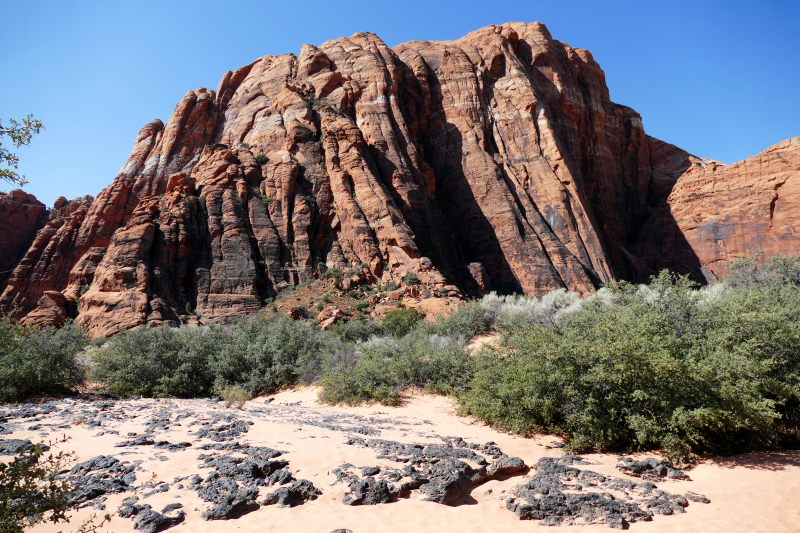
[
  {"x": 494, "y": 162},
  {"x": 717, "y": 213},
  {"x": 21, "y": 216}
]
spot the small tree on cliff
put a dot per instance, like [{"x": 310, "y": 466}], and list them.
[{"x": 20, "y": 134}]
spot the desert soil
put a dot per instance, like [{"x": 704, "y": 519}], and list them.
[{"x": 750, "y": 492}]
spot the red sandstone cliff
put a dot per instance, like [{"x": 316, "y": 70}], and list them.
[
  {"x": 21, "y": 216},
  {"x": 494, "y": 161}
]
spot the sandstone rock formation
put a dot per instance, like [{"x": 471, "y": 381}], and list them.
[
  {"x": 717, "y": 213},
  {"x": 21, "y": 216},
  {"x": 494, "y": 162}
]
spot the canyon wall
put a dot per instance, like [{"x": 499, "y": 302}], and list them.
[{"x": 497, "y": 161}]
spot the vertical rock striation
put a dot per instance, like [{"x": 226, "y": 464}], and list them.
[{"x": 494, "y": 162}]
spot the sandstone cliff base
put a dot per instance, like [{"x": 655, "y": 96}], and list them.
[{"x": 752, "y": 492}]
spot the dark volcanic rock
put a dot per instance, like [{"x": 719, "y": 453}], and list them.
[
  {"x": 101, "y": 475},
  {"x": 13, "y": 446},
  {"x": 369, "y": 491},
  {"x": 142, "y": 440},
  {"x": 558, "y": 494},
  {"x": 697, "y": 497},
  {"x": 295, "y": 494},
  {"x": 149, "y": 521},
  {"x": 650, "y": 469},
  {"x": 223, "y": 427},
  {"x": 439, "y": 471},
  {"x": 233, "y": 485}
]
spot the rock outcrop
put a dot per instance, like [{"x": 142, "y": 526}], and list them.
[
  {"x": 21, "y": 216},
  {"x": 494, "y": 162},
  {"x": 714, "y": 213}
]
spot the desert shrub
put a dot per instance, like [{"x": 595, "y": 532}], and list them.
[
  {"x": 648, "y": 367},
  {"x": 35, "y": 360},
  {"x": 382, "y": 367},
  {"x": 391, "y": 286},
  {"x": 400, "y": 322},
  {"x": 261, "y": 160},
  {"x": 235, "y": 396},
  {"x": 256, "y": 355},
  {"x": 31, "y": 491},
  {"x": 515, "y": 311},
  {"x": 356, "y": 330},
  {"x": 411, "y": 279},
  {"x": 360, "y": 306},
  {"x": 335, "y": 274},
  {"x": 467, "y": 321},
  {"x": 263, "y": 356},
  {"x": 756, "y": 272},
  {"x": 159, "y": 362},
  {"x": 354, "y": 294}
]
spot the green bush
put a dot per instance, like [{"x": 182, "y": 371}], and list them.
[
  {"x": 391, "y": 286},
  {"x": 159, "y": 362},
  {"x": 411, "y": 279},
  {"x": 31, "y": 491},
  {"x": 354, "y": 294},
  {"x": 469, "y": 320},
  {"x": 35, "y": 360},
  {"x": 381, "y": 368},
  {"x": 261, "y": 160},
  {"x": 257, "y": 355},
  {"x": 659, "y": 367},
  {"x": 400, "y": 322},
  {"x": 335, "y": 274},
  {"x": 356, "y": 330}
]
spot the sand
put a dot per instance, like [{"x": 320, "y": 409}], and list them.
[{"x": 750, "y": 492}]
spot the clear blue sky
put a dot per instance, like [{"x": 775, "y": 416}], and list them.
[{"x": 720, "y": 79}]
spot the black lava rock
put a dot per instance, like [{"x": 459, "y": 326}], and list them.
[
  {"x": 295, "y": 494},
  {"x": 13, "y": 446},
  {"x": 558, "y": 494},
  {"x": 651, "y": 469},
  {"x": 368, "y": 492},
  {"x": 149, "y": 521}
]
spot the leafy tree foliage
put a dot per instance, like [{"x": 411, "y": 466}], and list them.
[
  {"x": 20, "y": 134},
  {"x": 400, "y": 322},
  {"x": 662, "y": 366},
  {"x": 30, "y": 490},
  {"x": 35, "y": 360}
]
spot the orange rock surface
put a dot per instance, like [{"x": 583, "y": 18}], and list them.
[
  {"x": 494, "y": 162},
  {"x": 717, "y": 213}
]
